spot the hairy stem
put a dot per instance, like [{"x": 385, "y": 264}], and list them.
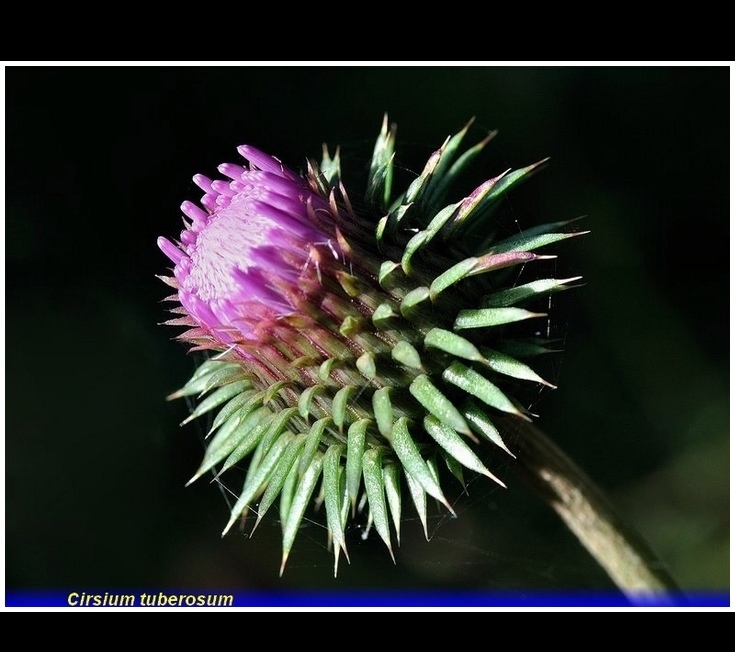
[{"x": 619, "y": 550}]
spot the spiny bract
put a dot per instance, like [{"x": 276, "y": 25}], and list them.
[{"x": 353, "y": 353}]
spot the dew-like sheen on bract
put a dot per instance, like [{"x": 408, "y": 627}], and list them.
[{"x": 357, "y": 358}]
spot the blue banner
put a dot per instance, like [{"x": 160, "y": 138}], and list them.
[{"x": 204, "y": 599}]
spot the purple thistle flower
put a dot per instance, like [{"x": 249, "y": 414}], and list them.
[
  {"x": 240, "y": 256},
  {"x": 354, "y": 351}
]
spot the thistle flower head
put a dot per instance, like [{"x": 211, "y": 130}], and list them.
[
  {"x": 242, "y": 252},
  {"x": 357, "y": 356}
]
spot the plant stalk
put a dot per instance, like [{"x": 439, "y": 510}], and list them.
[{"x": 619, "y": 549}]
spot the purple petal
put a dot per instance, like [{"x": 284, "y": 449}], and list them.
[
  {"x": 287, "y": 221},
  {"x": 222, "y": 201},
  {"x": 277, "y": 184},
  {"x": 266, "y": 162},
  {"x": 209, "y": 202},
  {"x": 254, "y": 286},
  {"x": 171, "y": 250},
  {"x": 231, "y": 170},
  {"x": 205, "y": 183},
  {"x": 198, "y": 217},
  {"x": 223, "y": 188},
  {"x": 188, "y": 238}
]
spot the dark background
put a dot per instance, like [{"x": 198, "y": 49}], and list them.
[{"x": 98, "y": 160}]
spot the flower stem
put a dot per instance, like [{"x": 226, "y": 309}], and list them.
[{"x": 619, "y": 549}]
